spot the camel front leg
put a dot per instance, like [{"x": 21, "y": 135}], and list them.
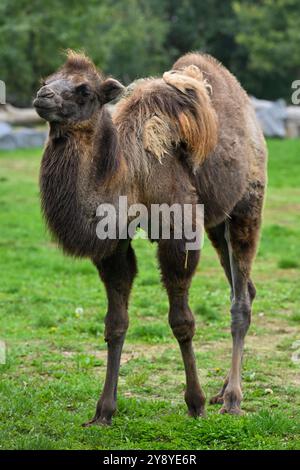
[
  {"x": 177, "y": 275},
  {"x": 117, "y": 273}
]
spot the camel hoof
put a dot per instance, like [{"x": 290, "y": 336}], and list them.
[
  {"x": 231, "y": 411},
  {"x": 197, "y": 413},
  {"x": 196, "y": 403},
  {"x": 216, "y": 400},
  {"x": 97, "y": 421}
]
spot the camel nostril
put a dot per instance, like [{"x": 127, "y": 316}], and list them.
[{"x": 45, "y": 92}]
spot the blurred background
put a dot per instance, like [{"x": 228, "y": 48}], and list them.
[{"x": 259, "y": 41}]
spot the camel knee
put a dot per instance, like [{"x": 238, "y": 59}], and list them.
[
  {"x": 183, "y": 328},
  {"x": 116, "y": 327},
  {"x": 240, "y": 318}
]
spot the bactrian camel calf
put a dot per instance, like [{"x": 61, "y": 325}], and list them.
[{"x": 189, "y": 137}]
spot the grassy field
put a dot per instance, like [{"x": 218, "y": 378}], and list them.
[{"x": 51, "y": 318}]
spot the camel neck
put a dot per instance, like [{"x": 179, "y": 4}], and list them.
[{"x": 75, "y": 173}]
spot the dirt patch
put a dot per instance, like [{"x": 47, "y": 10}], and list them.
[{"x": 136, "y": 351}]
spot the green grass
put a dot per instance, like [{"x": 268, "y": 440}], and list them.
[{"x": 56, "y": 354}]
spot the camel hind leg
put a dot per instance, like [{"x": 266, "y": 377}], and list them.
[
  {"x": 218, "y": 240},
  {"x": 236, "y": 242}
]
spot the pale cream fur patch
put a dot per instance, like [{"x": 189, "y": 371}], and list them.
[{"x": 157, "y": 136}]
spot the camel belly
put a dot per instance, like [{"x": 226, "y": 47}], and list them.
[{"x": 221, "y": 182}]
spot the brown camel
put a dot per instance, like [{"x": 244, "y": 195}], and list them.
[{"x": 190, "y": 137}]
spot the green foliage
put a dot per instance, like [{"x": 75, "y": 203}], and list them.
[
  {"x": 258, "y": 41},
  {"x": 124, "y": 39},
  {"x": 269, "y": 30}
]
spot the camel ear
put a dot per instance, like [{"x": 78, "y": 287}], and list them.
[{"x": 109, "y": 90}]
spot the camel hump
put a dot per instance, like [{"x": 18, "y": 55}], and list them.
[
  {"x": 198, "y": 124},
  {"x": 169, "y": 113}
]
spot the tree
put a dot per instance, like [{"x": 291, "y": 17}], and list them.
[
  {"x": 270, "y": 31},
  {"x": 259, "y": 41},
  {"x": 123, "y": 38}
]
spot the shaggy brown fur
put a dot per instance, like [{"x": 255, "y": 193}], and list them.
[
  {"x": 167, "y": 120},
  {"x": 190, "y": 137}
]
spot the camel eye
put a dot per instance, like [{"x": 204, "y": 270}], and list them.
[{"x": 83, "y": 90}]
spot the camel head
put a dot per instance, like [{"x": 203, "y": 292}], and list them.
[{"x": 75, "y": 92}]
